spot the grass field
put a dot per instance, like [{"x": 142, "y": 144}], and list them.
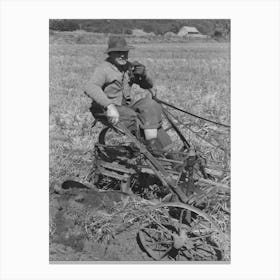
[
  {"x": 195, "y": 77},
  {"x": 192, "y": 76}
]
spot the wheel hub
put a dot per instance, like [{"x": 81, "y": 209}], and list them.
[{"x": 182, "y": 240}]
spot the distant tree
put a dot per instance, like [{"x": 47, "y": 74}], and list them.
[
  {"x": 174, "y": 28},
  {"x": 63, "y": 25},
  {"x": 157, "y": 26},
  {"x": 111, "y": 28},
  {"x": 148, "y": 27},
  {"x": 128, "y": 31},
  {"x": 218, "y": 33},
  {"x": 204, "y": 27},
  {"x": 55, "y": 24}
]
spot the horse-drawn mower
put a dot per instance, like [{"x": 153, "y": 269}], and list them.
[{"x": 187, "y": 214}]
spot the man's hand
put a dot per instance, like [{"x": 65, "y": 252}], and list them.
[
  {"x": 113, "y": 114},
  {"x": 138, "y": 69}
]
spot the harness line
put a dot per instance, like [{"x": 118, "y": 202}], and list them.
[{"x": 191, "y": 114}]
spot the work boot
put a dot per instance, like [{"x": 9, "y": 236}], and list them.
[{"x": 154, "y": 147}]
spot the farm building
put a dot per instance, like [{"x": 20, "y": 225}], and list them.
[{"x": 189, "y": 31}]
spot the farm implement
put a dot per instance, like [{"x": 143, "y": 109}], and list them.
[{"x": 186, "y": 215}]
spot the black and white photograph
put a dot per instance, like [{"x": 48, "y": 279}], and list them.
[{"x": 139, "y": 140}]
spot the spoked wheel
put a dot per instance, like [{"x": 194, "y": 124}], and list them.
[
  {"x": 111, "y": 136},
  {"x": 178, "y": 232}
]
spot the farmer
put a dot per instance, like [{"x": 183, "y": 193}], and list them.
[{"x": 110, "y": 89}]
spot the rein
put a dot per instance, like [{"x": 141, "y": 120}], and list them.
[{"x": 188, "y": 113}]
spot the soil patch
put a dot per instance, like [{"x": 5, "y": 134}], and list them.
[{"x": 71, "y": 204}]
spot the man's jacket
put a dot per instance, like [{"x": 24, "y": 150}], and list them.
[{"x": 108, "y": 85}]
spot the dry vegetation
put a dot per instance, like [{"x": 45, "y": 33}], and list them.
[{"x": 194, "y": 76}]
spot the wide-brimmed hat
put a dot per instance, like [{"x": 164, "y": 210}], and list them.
[{"x": 118, "y": 44}]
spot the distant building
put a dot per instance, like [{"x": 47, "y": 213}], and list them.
[{"x": 189, "y": 31}]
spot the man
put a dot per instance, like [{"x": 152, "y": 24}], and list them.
[{"x": 110, "y": 89}]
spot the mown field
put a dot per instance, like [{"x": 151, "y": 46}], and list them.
[{"x": 193, "y": 76}]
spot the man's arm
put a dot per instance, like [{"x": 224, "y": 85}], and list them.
[
  {"x": 140, "y": 75},
  {"x": 94, "y": 88},
  {"x": 146, "y": 82}
]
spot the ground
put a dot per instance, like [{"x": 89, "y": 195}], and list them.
[{"x": 68, "y": 238}]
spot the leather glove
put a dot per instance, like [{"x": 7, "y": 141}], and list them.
[
  {"x": 113, "y": 114},
  {"x": 138, "y": 69}
]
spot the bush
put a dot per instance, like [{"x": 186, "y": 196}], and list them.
[
  {"x": 218, "y": 34},
  {"x": 128, "y": 31},
  {"x": 63, "y": 25}
]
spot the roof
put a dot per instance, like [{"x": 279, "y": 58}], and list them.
[{"x": 187, "y": 29}]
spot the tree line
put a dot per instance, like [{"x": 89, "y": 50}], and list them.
[{"x": 211, "y": 27}]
